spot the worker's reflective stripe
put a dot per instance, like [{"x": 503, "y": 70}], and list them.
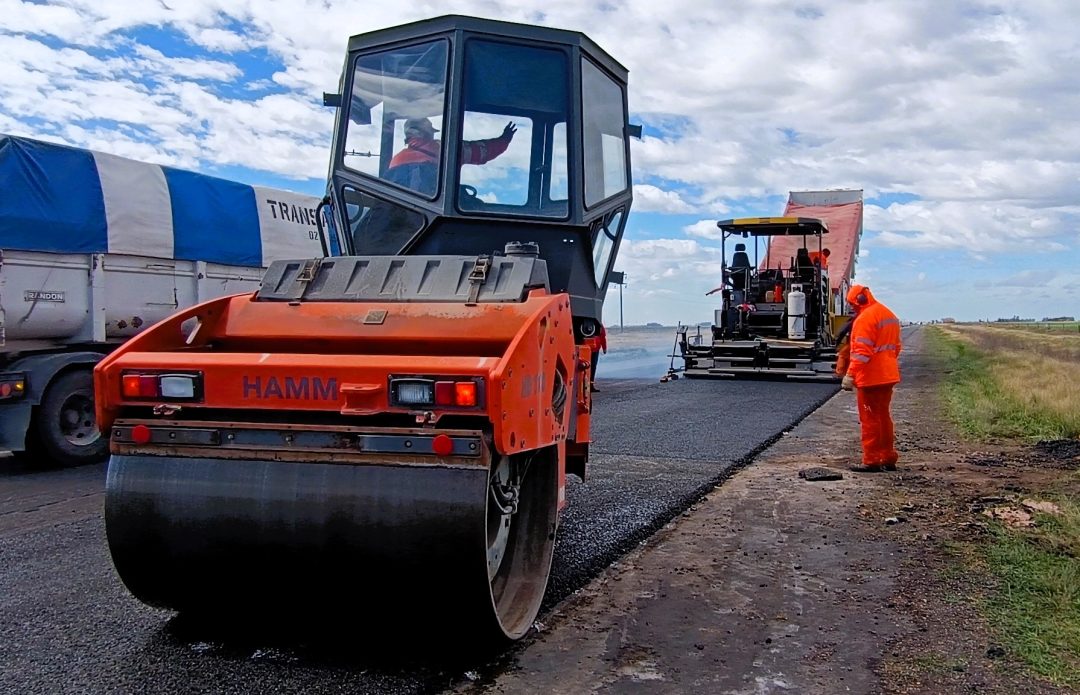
[
  {"x": 888, "y": 322},
  {"x": 883, "y": 348},
  {"x": 865, "y": 341},
  {"x": 861, "y": 358}
]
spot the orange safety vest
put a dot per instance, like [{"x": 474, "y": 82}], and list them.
[{"x": 875, "y": 342}]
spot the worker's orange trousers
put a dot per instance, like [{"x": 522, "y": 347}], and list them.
[{"x": 878, "y": 437}]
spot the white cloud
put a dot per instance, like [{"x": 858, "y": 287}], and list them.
[
  {"x": 704, "y": 229},
  {"x": 978, "y": 227},
  {"x": 186, "y": 68},
  {"x": 652, "y": 199},
  {"x": 221, "y": 40}
]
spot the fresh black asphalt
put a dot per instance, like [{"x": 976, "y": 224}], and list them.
[{"x": 68, "y": 625}]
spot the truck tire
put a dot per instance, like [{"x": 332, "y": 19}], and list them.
[{"x": 65, "y": 424}]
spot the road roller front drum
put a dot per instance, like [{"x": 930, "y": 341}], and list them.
[{"x": 469, "y": 548}]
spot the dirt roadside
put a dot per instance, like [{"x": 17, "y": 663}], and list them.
[{"x": 776, "y": 584}]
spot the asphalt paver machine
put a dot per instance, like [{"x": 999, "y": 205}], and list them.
[
  {"x": 775, "y": 315},
  {"x": 386, "y": 432}
]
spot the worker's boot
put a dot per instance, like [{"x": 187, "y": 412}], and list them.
[{"x": 860, "y": 468}]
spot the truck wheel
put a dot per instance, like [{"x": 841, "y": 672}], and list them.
[{"x": 65, "y": 423}]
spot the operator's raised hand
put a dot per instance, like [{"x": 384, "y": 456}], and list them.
[{"x": 508, "y": 131}]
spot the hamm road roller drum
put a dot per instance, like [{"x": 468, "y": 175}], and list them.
[{"x": 200, "y": 534}]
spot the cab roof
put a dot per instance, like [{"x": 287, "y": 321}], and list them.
[
  {"x": 775, "y": 226},
  {"x": 476, "y": 25}
]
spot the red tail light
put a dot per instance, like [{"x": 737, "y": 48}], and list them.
[
  {"x": 12, "y": 386},
  {"x": 162, "y": 386},
  {"x": 140, "y": 386},
  {"x": 445, "y": 391},
  {"x": 465, "y": 393},
  {"x": 442, "y": 445}
]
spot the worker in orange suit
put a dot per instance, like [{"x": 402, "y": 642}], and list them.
[
  {"x": 843, "y": 350},
  {"x": 873, "y": 372},
  {"x": 596, "y": 343},
  {"x": 821, "y": 258}
]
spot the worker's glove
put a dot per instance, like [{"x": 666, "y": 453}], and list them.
[
  {"x": 508, "y": 131},
  {"x": 848, "y": 384}
]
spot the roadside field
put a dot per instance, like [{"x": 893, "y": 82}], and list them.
[
  {"x": 1018, "y": 382},
  {"x": 1011, "y": 381}
]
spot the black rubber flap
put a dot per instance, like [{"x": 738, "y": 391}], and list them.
[{"x": 404, "y": 279}]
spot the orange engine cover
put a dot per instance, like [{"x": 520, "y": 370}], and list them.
[{"x": 340, "y": 357}]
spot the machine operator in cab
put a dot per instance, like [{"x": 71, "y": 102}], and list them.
[
  {"x": 821, "y": 258},
  {"x": 416, "y": 166}
]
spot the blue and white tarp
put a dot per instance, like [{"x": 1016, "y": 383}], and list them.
[{"x": 67, "y": 200}]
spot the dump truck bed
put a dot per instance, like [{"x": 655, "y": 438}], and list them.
[{"x": 842, "y": 212}]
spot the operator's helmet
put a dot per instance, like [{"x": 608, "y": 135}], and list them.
[{"x": 421, "y": 125}]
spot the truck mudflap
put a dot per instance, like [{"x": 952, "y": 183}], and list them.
[
  {"x": 387, "y": 541},
  {"x": 14, "y": 423}
]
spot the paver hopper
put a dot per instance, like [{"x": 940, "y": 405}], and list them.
[{"x": 389, "y": 429}]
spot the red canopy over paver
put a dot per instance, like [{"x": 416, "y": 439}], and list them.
[{"x": 842, "y": 212}]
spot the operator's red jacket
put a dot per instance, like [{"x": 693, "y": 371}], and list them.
[
  {"x": 426, "y": 151},
  {"x": 875, "y": 341},
  {"x": 598, "y": 342}
]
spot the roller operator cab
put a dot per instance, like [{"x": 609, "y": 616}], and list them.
[
  {"x": 561, "y": 181},
  {"x": 385, "y": 433}
]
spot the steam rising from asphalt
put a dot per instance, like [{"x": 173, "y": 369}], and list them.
[{"x": 637, "y": 353}]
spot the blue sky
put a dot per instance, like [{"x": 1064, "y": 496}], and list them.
[{"x": 958, "y": 120}]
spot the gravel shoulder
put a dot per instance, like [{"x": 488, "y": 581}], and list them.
[{"x": 772, "y": 583}]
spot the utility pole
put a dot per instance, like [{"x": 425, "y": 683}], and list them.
[{"x": 617, "y": 277}]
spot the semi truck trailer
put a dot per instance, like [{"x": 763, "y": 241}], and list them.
[{"x": 95, "y": 248}]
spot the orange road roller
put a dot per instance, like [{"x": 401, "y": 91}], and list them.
[{"x": 387, "y": 430}]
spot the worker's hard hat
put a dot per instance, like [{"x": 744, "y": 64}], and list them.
[{"x": 421, "y": 124}]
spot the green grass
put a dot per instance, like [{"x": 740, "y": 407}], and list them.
[
  {"x": 981, "y": 406},
  {"x": 1036, "y": 607}
]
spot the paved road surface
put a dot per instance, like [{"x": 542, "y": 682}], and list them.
[{"x": 68, "y": 625}]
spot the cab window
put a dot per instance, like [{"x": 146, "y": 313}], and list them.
[
  {"x": 513, "y": 156},
  {"x": 604, "y": 138},
  {"x": 396, "y": 116}
]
